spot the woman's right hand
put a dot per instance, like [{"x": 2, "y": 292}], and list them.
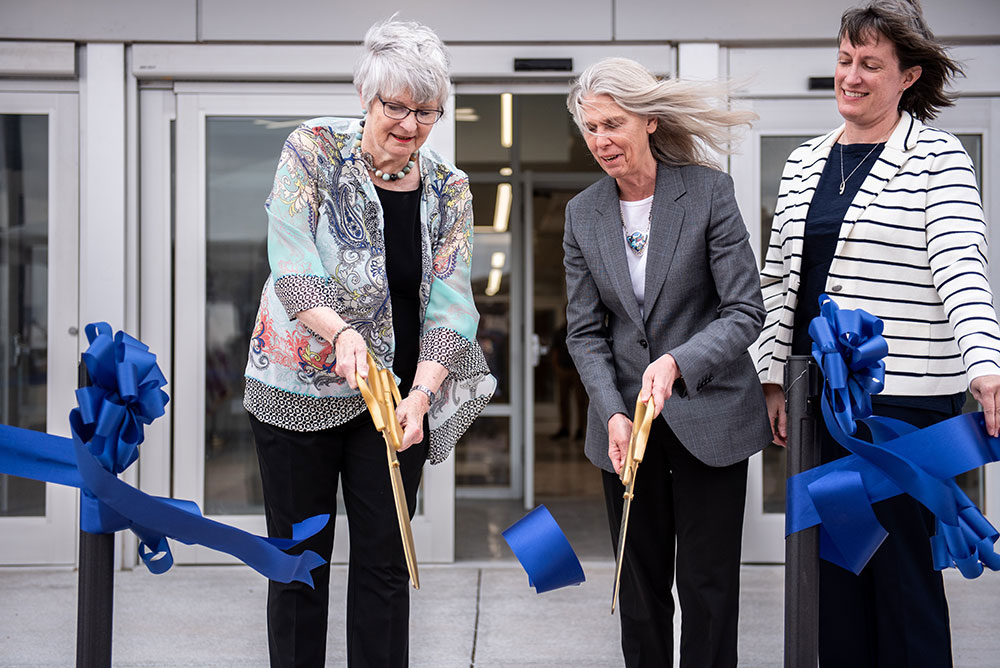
[
  {"x": 775, "y": 398},
  {"x": 619, "y": 433},
  {"x": 352, "y": 356}
]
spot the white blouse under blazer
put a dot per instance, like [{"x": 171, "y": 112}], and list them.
[{"x": 912, "y": 251}]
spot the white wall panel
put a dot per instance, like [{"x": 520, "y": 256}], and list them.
[
  {"x": 784, "y": 20},
  {"x": 785, "y": 72},
  {"x": 453, "y": 20},
  {"x": 37, "y": 59},
  {"x": 301, "y": 62},
  {"x": 99, "y": 20}
]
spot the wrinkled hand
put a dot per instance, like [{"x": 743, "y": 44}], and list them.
[
  {"x": 986, "y": 390},
  {"x": 352, "y": 355},
  {"x": 410, "y": 413},
  {"x": 658, "y": 380},
  {"x": 775, "y": 398},
  {"x": 619, "y": 433}
]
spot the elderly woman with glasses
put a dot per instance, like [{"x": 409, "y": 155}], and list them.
[{"x": 370, "y": 245}]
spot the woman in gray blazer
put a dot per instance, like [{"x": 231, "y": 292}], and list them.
[{"x": 663, "y": 301}]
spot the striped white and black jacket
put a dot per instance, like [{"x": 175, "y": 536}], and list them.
[{"x": 912, "y": 251}]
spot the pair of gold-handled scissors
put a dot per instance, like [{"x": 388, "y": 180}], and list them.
[
  {"x": 633, "y": 457},
  {"x": 381, "y": 395}
]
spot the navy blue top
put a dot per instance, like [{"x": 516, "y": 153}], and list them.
[{"x": 826, "y": 213}]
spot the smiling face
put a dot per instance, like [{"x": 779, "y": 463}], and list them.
[
  {"x": 869, "y": 84},
  {"x": 390, "y": 140},
  {"x": 618, "y": 139}
]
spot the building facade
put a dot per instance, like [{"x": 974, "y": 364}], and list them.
[{"x": 139, "y": 140}]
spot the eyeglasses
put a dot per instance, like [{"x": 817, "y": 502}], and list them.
[{"x": 398, "y": 112}]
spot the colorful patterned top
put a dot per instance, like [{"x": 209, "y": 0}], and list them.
[{"x": 326, "y": 248}]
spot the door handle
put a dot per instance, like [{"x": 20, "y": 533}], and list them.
[{"x": 18, "y": 349}]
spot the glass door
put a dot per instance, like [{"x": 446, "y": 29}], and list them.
[
  {"x": 783, "y": 125},
  {"x": 228, "y": 139},
  {"x": 525, "y": 160},
  {"x": 38, "y": 328}
]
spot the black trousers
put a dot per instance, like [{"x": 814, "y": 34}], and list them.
[
  {"x": 300, "y": 471},
  {"x": 894, "y": 613},
  {"x": 679, "y": 499}
]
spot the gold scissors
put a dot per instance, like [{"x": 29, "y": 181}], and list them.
[
  {"x": 381, "y": 395},
  {"x": 633, "y": 457}
]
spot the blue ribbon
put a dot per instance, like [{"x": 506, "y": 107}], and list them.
[
  {"x": 107, "y": 428},
  {"x": 849, "y": 348},
  {"x": 541, "y": 547}
]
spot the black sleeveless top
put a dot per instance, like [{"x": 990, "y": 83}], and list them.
[{"x": 404, "y": 268}]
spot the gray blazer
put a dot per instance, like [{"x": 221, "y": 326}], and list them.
[{"x": 702, "y": 305}]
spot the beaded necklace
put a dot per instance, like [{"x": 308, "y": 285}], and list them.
[{"x": 370, "y": 161}]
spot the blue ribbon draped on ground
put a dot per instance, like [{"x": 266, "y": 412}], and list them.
[
  {"x": 848, "y": 346},
  {"x": 541, "y": 547},
  {"x": 107, "y": 429}
]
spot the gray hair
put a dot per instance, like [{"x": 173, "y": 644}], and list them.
[
  {"x": 403, "y": 57},
  {"x": 689, "y": 126}
]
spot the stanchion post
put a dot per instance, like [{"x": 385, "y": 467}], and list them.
[
  {"x": 802, "y": 381},
  {"x": 95, "y": 590}
]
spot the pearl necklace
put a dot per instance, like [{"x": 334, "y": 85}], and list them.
[{"x": 370, "y": 161}]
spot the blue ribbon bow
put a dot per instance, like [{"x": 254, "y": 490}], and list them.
[
  {"x": 108, "y": 426},
  {"x": 849, "y": 348}
]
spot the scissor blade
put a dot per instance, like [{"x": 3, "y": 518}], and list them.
[
  {"x": 402, "y": 514},
  {"x": 620, "y": 557}
]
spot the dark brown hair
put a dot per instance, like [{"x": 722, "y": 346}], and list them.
[{"x": 902, "y": 23}]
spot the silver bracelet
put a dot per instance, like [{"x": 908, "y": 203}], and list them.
[
  {"x": 426, "y": 390},
  {"x": 333, "y": 341}
]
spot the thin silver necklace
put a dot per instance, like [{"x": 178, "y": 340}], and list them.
[
  {"x": 636, "y": 240},
  {"x": 843, "y": 179}
]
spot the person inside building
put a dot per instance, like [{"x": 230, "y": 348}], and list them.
[
  {"x": 370, "y": 245},
  {"x": 663, "y": 301},
  {"x": 884, "y": 214}
]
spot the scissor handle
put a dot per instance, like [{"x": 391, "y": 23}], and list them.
[{"x": 374, "y": 408}]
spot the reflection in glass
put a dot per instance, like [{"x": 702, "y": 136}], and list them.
[
  {"x": 24, "y": 247},
  {"x": 482, "y": 457},
  {"x": 241, "y": 155},
  {"x": 561, "y": 468},
  {"x": 774, "y": 150}
]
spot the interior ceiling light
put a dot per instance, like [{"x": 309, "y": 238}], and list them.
[
  {"x": 501, "y": 214},
  {"x": 506, "y": 120}
]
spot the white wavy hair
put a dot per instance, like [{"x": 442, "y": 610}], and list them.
[
  {"x": 403, "y": 57},
  {"x": 692, "y": 117}
]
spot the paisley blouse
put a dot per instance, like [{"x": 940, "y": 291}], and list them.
[{"x": 325, "y": 247}]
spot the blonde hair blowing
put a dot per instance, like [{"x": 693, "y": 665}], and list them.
[
  {"x": 689, "y": 125},
  {"x": 403, "y": 57}
]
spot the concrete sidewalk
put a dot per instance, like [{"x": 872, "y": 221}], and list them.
[{"x": 466, "y": 615}]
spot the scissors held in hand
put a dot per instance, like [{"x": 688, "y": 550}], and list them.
[
  {"x": 381, "y": 395},
  {"x": 633, "y": 457}
]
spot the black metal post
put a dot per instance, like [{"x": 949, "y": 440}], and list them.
[
  {"x": 95, "y": 590},
  {"x": 802, "y": 379}
]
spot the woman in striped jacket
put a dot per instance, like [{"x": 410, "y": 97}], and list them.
[{"x": 884, "y": 214}]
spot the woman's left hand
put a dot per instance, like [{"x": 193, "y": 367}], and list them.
[
  {"x": 658, "y": 381},
  {"x": 411, "y": 412},
  {"x": 986, "y": 390}
]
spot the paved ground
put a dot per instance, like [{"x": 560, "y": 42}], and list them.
[{"x": 467, "y": 615}]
